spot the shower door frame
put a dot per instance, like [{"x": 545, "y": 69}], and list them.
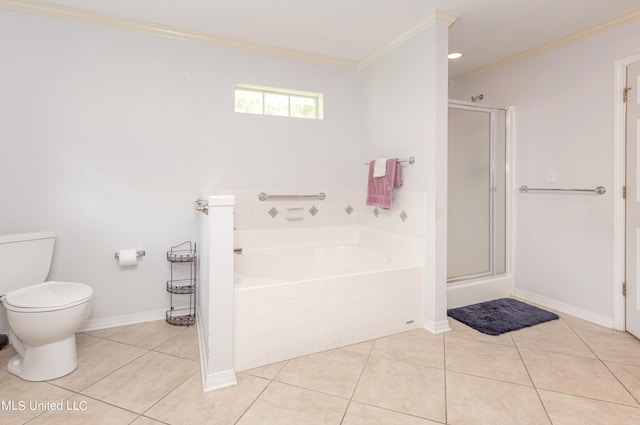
[{"x": 492, "y": 110}]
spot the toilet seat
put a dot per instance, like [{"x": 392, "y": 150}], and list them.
[{"x": 47, "y": 296}]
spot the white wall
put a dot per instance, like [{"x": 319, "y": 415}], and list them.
[
  {"x": 564, "y": 121},
  {"x": 107, "y": 136},
  {"x": 403, "y": 112}
]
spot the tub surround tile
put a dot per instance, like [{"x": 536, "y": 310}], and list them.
[
  {"x": 289, "y": 320},
  {"x": 618, "y": 348},
  {"x": 251, "y": 314},
  {"x": 334, "y": 372},
  {"x": 251, "y": 213},
  {"x": 282, "y": 404},
  {"x": 480, "y": 401},
  {"x": 96, "y": 361},
  {"x": 249, "y": 297},
  {"x": 402, "y": 387},
  {"x": 95, "y": 413},
  {"x": 554, "y": 336},
  {"x": 339, "y": 208},
  {"x": 566, "y": 409},
  {"x": 188, "y": 405},
  {"x": 487, "y": 360},
  {"x": 143, "y": 382},
  {"x": 362, "y": 414}
]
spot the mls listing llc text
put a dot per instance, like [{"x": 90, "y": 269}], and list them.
[{"x": 32, "y": 405}]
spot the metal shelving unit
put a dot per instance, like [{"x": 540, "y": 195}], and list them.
[{"x": 182, "y": 255}]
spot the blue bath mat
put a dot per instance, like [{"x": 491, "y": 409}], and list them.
[{"x": 499, "y": 316}]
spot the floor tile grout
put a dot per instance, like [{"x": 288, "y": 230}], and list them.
[
  {"x": 533, "y": 383},
  {"x": 355, "y": 387},
  {"x": 603, "y": 362},
  {"x": 446, "y": 401},
  {"x": 370, "y": 354}
]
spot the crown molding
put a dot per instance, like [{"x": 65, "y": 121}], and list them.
[
  {"x": 620, "y": 20},
  {"x": 434, "y": 17},
  {"x": 78, "y": 15}
]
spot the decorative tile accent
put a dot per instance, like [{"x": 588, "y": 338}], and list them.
[
  {"x": 313, "y": 210},
  {"x": 273, "y": 212},
  {"x": 376, "y": 212},
  {"x": 349, "y": 210},
  {"x": 403, "y": 216}
]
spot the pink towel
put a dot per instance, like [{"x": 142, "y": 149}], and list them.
[{"x": 380, "y": 189}]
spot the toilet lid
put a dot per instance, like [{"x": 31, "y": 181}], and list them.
[{"x": 49, "y": 295}]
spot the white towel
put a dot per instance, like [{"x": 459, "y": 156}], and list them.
[{"x": 380, "y": 167}]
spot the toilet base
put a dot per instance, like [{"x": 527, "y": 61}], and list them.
[{"x": 45, "y": 362}]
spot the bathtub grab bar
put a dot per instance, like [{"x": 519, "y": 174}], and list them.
[
  {"x": 411, "y": 160},
  {"x": 600, "y": 190},
  {"x": 202, "y": 206},
  {"x": 263, "y": 196}
]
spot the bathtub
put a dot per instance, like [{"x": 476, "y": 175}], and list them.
[{"x": 304, "y": 290}]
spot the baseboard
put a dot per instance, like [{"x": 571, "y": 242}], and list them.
[
  {"x": 562, "y": 307},
  {"x": 217, "y": 380},
  {"x": 126, "y": 319},
  {"x": 436, "y": 328}
]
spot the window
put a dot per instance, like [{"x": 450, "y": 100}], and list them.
[{"x": 250, "y": 99}]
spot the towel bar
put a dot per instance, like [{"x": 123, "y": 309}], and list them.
[{"x": 411, "y": 160}]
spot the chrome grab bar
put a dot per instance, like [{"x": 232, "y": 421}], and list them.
[
  {"x": 202, "y": 206},
  {"x": 600, "y": 190},
  {"x": 263, "y": 196}
]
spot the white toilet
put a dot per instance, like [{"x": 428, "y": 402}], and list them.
[{"x": 43, "y": 316}]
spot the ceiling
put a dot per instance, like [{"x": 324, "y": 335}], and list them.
[{"x": 487, "y": 31}]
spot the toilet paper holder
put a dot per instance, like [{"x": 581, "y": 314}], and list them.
[{"x": 139, "y": 253}]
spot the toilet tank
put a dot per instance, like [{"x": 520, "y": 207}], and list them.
[{"x": 25, "y": 259}]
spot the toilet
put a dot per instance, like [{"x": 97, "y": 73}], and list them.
[{"x": 43, "y": 316}]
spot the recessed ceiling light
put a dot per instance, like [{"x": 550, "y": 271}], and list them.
[{"x": 455, "y": 55}]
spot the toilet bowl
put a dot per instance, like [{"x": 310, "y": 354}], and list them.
[
  {"x": 43, "y": 319},
  {"x": 43, "y": 315}
]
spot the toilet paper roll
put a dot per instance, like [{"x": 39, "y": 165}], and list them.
[{"x": 128, "y": 257}]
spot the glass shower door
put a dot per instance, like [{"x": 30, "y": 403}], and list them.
[{"x": 476, "y": 192}]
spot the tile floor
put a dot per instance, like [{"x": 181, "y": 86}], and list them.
[{"x": 563, "y": 372}]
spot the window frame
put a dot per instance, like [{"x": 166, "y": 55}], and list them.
[{"x": 317, "y": 98}]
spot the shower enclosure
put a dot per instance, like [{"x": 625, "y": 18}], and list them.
[{"x": 477, "y": 170}]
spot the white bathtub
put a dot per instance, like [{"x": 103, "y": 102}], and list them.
[{"x": 304, "y": 290}]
